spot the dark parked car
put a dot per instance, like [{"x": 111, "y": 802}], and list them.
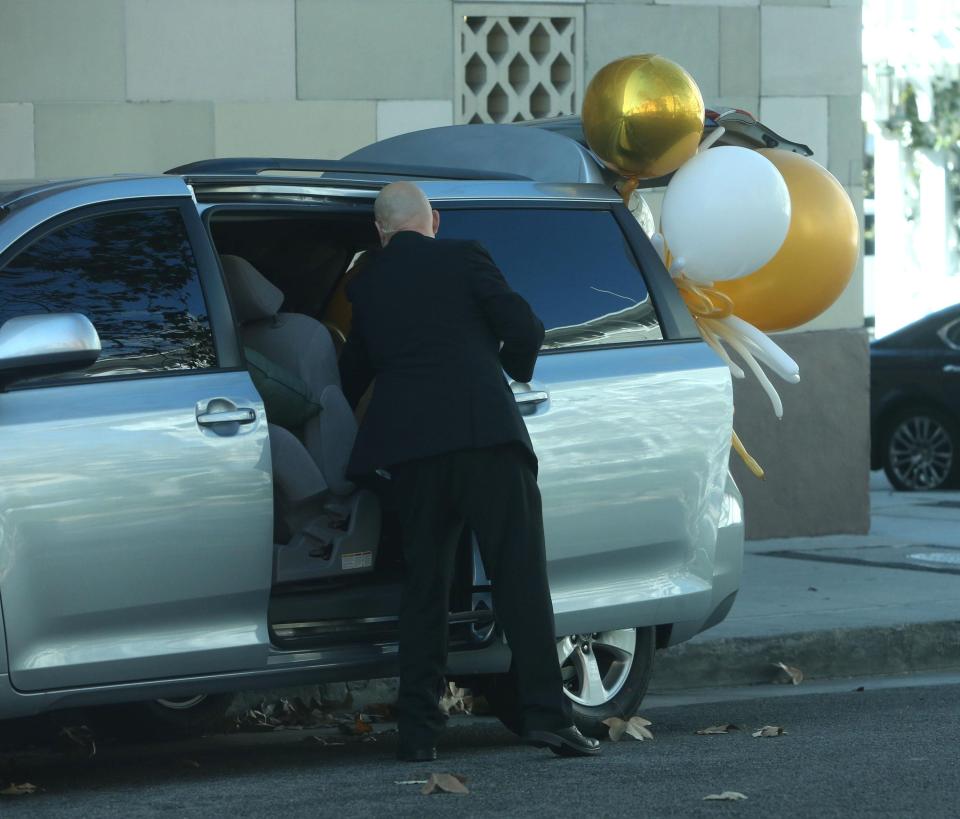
[{"x": 915, "y": 403}]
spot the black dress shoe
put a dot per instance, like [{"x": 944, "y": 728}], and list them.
[
  {"x": 424, "y": 753},
  {"x": 565, "y": 742}
]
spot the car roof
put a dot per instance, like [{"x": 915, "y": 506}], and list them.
[
  {"x": 920, "y": 331},
  {"x": 543, "y": 151},
  {"x": 13, "y": 191}
]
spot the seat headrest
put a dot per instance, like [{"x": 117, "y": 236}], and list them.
[{"x": 254, "y": 298}]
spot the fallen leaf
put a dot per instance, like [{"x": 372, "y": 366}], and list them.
[
  {"x": 726, "y": 796},
  {"x": 18, "y": 790},
  {"x": 795, "y": 674},
  {"x": 444, "y": 783},
  {"x": 770, "y": 731},
  {"x": 285, "y": 713},
  {"x": 718, "y": 729},
  {"x": 358, "y": 728},
  {"x": 635, "y": 727},
  {"x": 410, "y": 782},
  {"x": 455, "y": 700},
  {"x": 479, "y": 706},
  {"x": 383, "y": 710},
  {"x": 331, "y": 743}
]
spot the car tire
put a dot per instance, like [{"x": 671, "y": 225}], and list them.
[
  {"x": 921, "y": 450},
  {"x": 623, "y": 662},
  {"x": 172, "y": 718}
]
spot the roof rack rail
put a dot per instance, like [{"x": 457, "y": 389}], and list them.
[
  {"x": 240, "y": 166},
  {"x": 742, "y": 128}
]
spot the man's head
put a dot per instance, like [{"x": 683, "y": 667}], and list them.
[{"x": 403, "y": 206}]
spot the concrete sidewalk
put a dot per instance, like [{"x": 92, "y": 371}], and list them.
[{"x": 838, "y": 606}]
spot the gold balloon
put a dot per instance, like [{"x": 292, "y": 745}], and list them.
[
  {"x": 816, "y": 260},
  {"x": 643, "y": 116}
]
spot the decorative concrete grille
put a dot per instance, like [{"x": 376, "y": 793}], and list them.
[{"x": 525, "y": 65}]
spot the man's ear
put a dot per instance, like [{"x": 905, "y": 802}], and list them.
[
  {"x": 436, "y": 222},
  {"x": 381, "y": 234}
]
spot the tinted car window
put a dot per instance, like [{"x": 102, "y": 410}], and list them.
[
  {"x": 133, "y": 274},
  {"x": 574, "y": 267}
]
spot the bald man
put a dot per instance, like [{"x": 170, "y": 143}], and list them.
[{"x": 435, "y": 323}]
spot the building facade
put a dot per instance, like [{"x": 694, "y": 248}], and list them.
[{"x": 113, "y": 86}]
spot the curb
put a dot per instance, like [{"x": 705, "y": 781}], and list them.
[{"x": 842, "y": 652}]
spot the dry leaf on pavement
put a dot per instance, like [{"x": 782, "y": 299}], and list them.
[
  {"x": 445, "y": 783},
  {"x": 455, "y": 700},
  {"x": 18, "y": 790},
  {"x": 726, "y": 796},
  {"x": 718, "y": 729},
  {"x": 770, "y": 731},
  {"x": 383, "y": 710},
  {"x": 358, "y": 728},
  {"x": 635, "y": 727},
  {"x": 326, "y": 743},
  {"x": 795, "y": 674}
]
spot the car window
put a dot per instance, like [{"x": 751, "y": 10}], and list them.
[
  {"x": 133, "y": 274},
  {"x": 573, "y": 266}
]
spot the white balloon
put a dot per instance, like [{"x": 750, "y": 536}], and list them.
[{"x": 726, "y": 212}]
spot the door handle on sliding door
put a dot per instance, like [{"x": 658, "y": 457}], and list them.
[{"x": 530, "y": 398}]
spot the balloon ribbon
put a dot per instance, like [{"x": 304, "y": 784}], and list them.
[
  {"x": 707, "y": 305},
  {"x": 627, "y": 187}
]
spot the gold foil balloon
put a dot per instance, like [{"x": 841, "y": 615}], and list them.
[
  {"x": 643, "y": 116},
  {"x": 816, "y": 260}
]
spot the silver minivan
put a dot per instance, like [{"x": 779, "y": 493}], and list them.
[{"x": 165, "y": 537}]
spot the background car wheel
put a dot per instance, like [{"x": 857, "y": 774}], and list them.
[
  {"x": 605, "y": 674},
  {"x": 920, "y": 450}
]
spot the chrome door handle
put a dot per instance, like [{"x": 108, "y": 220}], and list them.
[
  {"x": 951, "y": 368},
  {"x": 532, "y": 397},
  {"x": 238, "y": 416}
]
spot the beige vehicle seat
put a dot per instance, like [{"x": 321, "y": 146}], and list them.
[{"x": 335, "y": 526}]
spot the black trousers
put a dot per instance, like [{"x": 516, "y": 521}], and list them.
[{"x": 494, "y": 492}]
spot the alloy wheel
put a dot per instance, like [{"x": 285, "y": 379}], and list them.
[
  {"x": 920, "y": 452},
  {"x": 595, "y": 666}
]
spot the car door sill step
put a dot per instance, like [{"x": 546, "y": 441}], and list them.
[{"x": 365, "y": 629}]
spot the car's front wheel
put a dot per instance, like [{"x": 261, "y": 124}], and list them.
[
  {"x": 920, "y": 450},
  {"x": 605, "y": 674}
]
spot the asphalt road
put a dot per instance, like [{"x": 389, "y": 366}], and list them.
[{"x": 882, "y": 752}]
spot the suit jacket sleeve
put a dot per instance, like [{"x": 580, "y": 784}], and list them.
[
  {"x": 356, "y": 370},
  {"x": 508, "y": 314}
]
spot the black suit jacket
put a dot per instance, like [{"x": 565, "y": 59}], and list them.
[{"x": 429, "y": 316}]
